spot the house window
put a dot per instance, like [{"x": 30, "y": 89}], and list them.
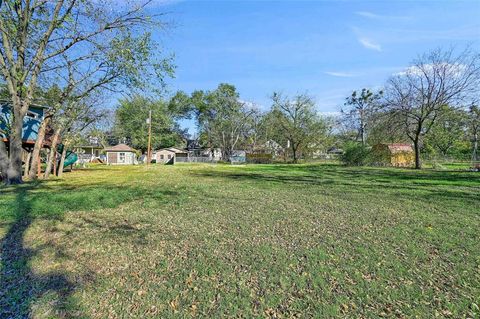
[
  {"x": 121, "y": 157},
  {"x": 169, "y": 156},
  {"x": 161, "y": 156},
  {"x": 32, "y": 115}
]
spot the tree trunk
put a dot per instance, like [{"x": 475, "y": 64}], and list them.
[
  {"x": 38, "y": 147},
  {"x": 3, "y": 160},
  {"x": 294, "y": 153},
  {"x": 55, "y": 163},
  {"x": 416, "y": 146},
  {"x": 225, "y": 154},
  {"x": 475, "y": 147},
  {"x": 53, "y": 151},
  {"x": 27, "y": 164},
  {"x": 14, "y": 172},
  {"x": 62, "y": 160},
  {"x": 362, "y": 133}
]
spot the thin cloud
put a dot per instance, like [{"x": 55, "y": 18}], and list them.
[
  {"x": 455, "y": 70},
  {"x": 340, "y": 74},
  {"x": 371, "y": 15},
  {"x": 370, "y": 44}
]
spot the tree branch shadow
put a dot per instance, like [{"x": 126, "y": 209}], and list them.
[
  {"x": 20, "y": 286},
  {"x": 23, "y": 290},
  {"x": 425, "y": 185}
]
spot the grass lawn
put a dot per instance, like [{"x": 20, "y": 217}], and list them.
[{"x": 242, "y": 241}]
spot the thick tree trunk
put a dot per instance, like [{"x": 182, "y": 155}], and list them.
[
  {"x": 62, "y": 161},
  {"x": 38, "y": 147},
  {"x": 14, "y": 172},
  {"x": 225, "y": 155},
  {"x": 416, "y": 146},
  {"x": 3, "y": 160},
  {"x": 294, "y": 153},
  {"x": 53, "y": 151}
]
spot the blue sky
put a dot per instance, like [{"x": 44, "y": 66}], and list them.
[{"x": 325, "y": 48}]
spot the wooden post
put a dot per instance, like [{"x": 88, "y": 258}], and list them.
[{"x": 149, "y": 147}]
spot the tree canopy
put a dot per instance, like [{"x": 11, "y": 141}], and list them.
[{"x": 130, "y": 123}]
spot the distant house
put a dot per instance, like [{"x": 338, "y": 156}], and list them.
[
  {"x": 89, "y": 152},
  {"x": 271, "y": 147},
  {"x": 274, "y": 148},
  {"x": 238, "y": 156},
  {"x": 196, "y": 153},
  {"x": 121, "y": 154},
  {"x": 212, "y": 154},
  {"x": 397, "y": 154},
  {"x": 170, "y": 155},
  {"x": 335, "y": 151}
]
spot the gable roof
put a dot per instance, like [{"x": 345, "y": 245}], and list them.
[
  {"x": 177, "y": 150},
  {"x": 119, "y": 148},
  {"x": 399, "y": 147},
  {"x": 173, "y": 150}
]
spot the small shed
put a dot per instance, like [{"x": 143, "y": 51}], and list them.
[
  {"x": 171, "y": 154},
  {"x": 121, "y": 154},
  {"x": 396, "y": 154},
  {"x": 238, "y": 156}
]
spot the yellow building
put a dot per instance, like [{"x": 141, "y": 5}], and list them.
[{"x": 397, "y": 154}]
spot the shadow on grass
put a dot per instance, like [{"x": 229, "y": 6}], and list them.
[
  {"x": 372, "y": 173},
  {"x": 20, "y": 286},
  {"x": 423, "y": 184}
]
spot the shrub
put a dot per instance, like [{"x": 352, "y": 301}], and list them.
[{"x": 356, "y": 155}]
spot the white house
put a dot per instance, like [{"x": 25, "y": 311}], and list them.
[
  {"x": 121, "y": 154},
  {"x": 171, "y": 154}
]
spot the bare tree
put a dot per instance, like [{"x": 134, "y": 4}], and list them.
[
  {"x": 416, "y": 96},
  {"x": 474, "y": 127},
  {"x": 77, "y": 117},
  {"x": 449, "y": 128},
  {"x": 359, "y": 109},
  {"x": 35, "y": 33}
]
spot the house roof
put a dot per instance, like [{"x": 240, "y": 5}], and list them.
[
  {"x": 89, "y": 146},
  {"x": 173, "y": 149},
  {"x": 120, "y": 148},
  {"x": 399, "y": 147},
  {"x": 32, "y": 105}
]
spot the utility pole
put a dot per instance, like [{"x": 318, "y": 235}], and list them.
[{"x": 149, "y": 148}]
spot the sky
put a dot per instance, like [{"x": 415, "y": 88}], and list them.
[{"x": 324, "y": 48}]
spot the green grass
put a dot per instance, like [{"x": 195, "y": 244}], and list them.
[{"x": 242, "y": 241}]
